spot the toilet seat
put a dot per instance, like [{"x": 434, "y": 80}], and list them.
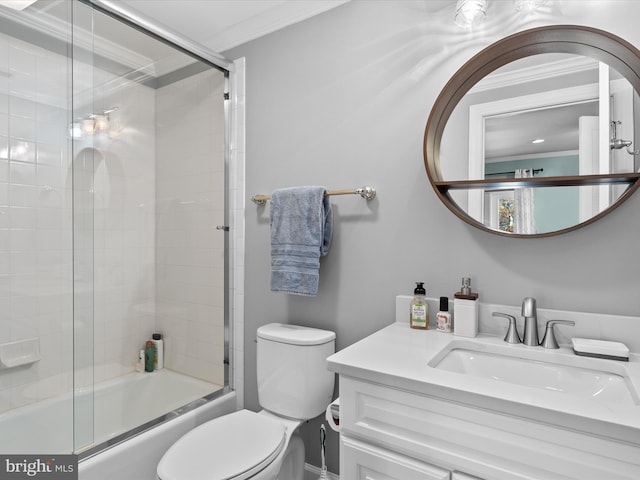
[{"x": 234, "y": 446}]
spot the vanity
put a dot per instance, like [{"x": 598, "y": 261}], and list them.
[{"x": 430, "y": 405}]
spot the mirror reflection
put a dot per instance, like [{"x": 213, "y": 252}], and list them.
[{"x": 547, "y": 115}]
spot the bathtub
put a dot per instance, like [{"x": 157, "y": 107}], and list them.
[
  {"x": 137, "y": 457},
  {"x": 126, "y": 402},
  {"x": 121, "y": 405}
]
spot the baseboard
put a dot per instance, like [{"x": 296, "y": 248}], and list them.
[{"x": 313, "y": 473}]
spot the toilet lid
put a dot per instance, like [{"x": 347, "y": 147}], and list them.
[{"x": 235, "y": 446}]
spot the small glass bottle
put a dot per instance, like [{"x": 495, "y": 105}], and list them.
[
  {"x": 443, "y": 317},
  {"x": 149, "y": 355},
  {"x": 419, "y": 310}
]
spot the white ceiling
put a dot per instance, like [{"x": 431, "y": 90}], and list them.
[
  {"x": 511, "y": 135},
  {"x": 223, "y": 24}
]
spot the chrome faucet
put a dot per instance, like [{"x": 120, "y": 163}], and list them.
[{"x": 530, "y": 322}]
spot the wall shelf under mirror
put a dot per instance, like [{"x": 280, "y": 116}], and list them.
[{"x": 569, "y": 181}]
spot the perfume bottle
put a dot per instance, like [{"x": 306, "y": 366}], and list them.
[{"x": 443, "y": 317}]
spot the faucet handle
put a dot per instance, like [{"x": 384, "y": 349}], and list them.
[
  {"x": 549, "y": 339},
  {"x": 512, "y": 333}
]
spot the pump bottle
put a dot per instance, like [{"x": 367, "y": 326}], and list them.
[{"x": 419, "y": 310}]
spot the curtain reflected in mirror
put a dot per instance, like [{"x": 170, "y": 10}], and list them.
[
  {"x": 524, "y": 206},
  {"x": 512, "y": 211}
]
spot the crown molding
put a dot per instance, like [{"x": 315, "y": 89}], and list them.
[
  {"x": 60, "y": 29},
  {"x": 535, "y": 73},
  {"x": 269, "y": 21}
]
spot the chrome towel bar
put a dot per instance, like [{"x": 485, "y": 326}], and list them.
[{"x": 368, "y": 193}]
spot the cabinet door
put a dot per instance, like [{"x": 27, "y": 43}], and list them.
[{"x": 361, "y": 461}]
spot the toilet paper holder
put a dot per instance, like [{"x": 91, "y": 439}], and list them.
[{"x": 333, "y": 415}]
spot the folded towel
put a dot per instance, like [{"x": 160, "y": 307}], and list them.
[{"x": 301, "y": 230}]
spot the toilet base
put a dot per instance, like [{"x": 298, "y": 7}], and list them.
[
  {"x": 293, "y": 462},
  {"x": 289, "y": 467}
]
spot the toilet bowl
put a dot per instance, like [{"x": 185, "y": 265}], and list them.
[
  {"x": 293, "y": 386},
  {"x": 241, "y": 445}
]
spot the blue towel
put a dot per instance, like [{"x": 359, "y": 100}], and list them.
[{"x": 301, "y": 230}]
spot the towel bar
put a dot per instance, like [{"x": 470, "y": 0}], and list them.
[{"x": 368, "y": 193}]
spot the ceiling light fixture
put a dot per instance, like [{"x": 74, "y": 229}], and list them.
[
  {"x": 538, "y": 140},
  {"x": 92, "y": 124},
  {"x": 470, "y": 13},
  {"x": 527, "y": 6}
]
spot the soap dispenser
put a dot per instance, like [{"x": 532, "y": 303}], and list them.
[
  {"x": 419, "y": 310},
  {"x": 465, "y": 310}
]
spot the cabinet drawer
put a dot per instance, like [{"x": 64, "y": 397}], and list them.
[
  {"x": 361, "y": 461},
  {"x": 481, "y": 442}
]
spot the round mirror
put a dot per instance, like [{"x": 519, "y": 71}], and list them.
[{"x": 535, "y": 135}]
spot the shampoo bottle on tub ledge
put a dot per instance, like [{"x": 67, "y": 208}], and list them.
[{"x": 158, "y": 360}]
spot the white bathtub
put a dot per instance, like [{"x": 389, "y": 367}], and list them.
[
  {"x": 120, "y": 405},
  {"x": 137, "y": 458}
]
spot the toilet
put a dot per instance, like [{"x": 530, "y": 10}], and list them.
[{"x": 294, "y": 385}]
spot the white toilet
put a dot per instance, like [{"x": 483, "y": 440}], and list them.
[{"x": 294, "y": 385}]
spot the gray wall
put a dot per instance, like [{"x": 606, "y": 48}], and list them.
[{"x": 342, "y": 100}]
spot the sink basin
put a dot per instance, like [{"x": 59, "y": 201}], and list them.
[{"x": 576, "y": 376}]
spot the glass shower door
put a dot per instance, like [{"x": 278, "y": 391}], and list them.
[
  {"x": 36, "y": 249},
  {"x": 149, "y": 191},
  {"x": 85, "y": 159},
  {"x": 112, "y": 184}
]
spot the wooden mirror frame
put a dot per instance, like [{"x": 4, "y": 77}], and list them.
[{"x": 597, "y": 44}]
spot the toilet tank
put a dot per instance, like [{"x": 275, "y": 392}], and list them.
[{"x": 293, "y": 380}]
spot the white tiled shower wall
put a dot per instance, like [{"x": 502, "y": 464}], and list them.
[
  {"x": 190, "y": 205},
  {"x": 130, "y": 218},
  {"x": 124, "y": 211},
  {"x": 114, "y": 225},
  {"x": 35, "y": 220}
]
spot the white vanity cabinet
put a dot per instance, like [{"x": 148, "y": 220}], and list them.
[
  {"x": 368, "y": 449},
  {"x": 401, "y": 419},
  {"x": 388, "y": 433},
  {"x": 363, "y": 461}
]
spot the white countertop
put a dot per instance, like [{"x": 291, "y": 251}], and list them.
[{"x": 398, "y": 356}]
